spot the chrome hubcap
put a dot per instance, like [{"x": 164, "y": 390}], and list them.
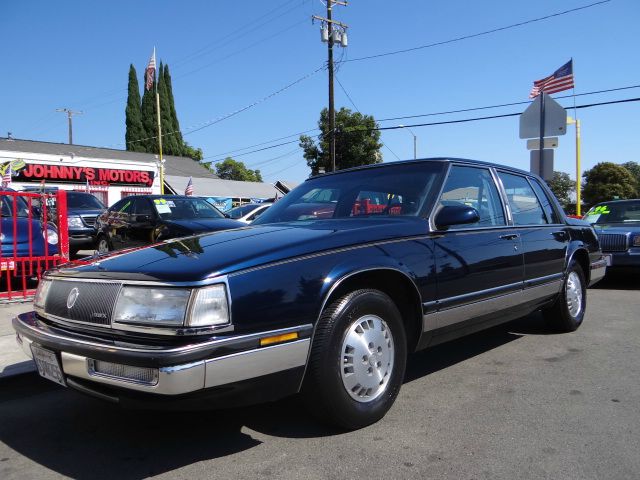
[
  {"x": 367, "y": 358},
  {"x": 103, "y": 246},
  {"x": 574, "y": 294}
]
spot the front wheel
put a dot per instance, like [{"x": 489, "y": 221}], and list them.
[
  {"x": 567, "y": 313},
  {"x": 357, "y": 360}
]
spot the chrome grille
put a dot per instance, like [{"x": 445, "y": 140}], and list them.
[
  {"x": 147, "y": 376},
  {"x": 613, "y": 242},
  {"x": 89, "y": 220},
  {"x": 94, "y": 302}
]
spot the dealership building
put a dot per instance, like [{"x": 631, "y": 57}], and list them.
[{"x": 112, "y": 174}]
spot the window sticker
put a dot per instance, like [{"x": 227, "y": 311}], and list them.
[
  {"x": 600, "y": 209},
  {"x": 162, "y": 207}
]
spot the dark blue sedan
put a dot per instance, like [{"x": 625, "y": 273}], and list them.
[
  {"x": 617, "y": 224},
  {"x": 325, "y": 294}
]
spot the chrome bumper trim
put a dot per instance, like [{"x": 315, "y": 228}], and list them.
[
  {"x": 598, "y": 269},
  {"x": 180, "y": 379}
]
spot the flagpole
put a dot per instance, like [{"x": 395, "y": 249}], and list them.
[{"x": 157, "y": 85}]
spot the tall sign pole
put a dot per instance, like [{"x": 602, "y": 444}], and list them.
[
  {"x": 332, "y": 32},
  {"x": 541, "y": 146}
]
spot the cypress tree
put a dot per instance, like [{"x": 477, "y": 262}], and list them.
[
  {"x": 169, "y": 143},
  {"x": 149, "y": 120},
  {"x": 174, "y": 116},
  {"x": 133, "y": 118}
]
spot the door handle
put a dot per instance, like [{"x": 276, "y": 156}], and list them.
[
  {"x": 559, "y": 233},
  {"x": 509, "y": 236}
]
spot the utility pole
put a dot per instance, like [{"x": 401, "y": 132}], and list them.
[
  {"x": 69, "y": 113},
  {"x": 332, "y": 31}
]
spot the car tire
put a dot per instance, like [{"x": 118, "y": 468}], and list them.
[
  {"x": 567, "y": 313},
  {"x": 357, "y": 360},
  {"x": 102, "y": 245}
]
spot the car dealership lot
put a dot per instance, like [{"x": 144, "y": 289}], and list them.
[{"x": 513, "y": 401}]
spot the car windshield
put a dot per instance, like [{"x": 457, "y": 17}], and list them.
[
  {"x": 241, "y": 211},
  {"x": 390, "y": 191},
  {"x": 22, "y": 210},
  {"x": 185, "y": 208},
  {"x": 83, "y": 200},
  {"x": 615, "y": 212}
]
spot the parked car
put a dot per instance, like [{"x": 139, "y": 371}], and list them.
[
  {"x": 22, "y": 236},
  {"x": 617, "y": 224},
  {"x": 249, "y": 212},
  {"x": 140, "y": 220},
  {"x": 82, "y": 211},
  {"x": 327, "y": 301}
]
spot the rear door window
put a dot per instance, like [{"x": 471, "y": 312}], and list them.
[{"x": 525, "y": 206}]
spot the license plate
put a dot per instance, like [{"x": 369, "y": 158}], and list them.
[
  {"x": 7, "y": 265},
  {"x": 607, "y": 259},
  {"x": 48, "y": 364}
]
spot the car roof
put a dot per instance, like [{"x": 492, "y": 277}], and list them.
[
  {"x": 626, "y": 200},
  {"x": 430, "y": 160}
]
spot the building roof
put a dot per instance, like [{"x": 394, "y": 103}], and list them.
[
  {"x": 173, "y": 165},
  {"x": 217, "y": 187}
]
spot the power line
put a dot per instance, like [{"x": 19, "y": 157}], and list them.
[
  {"x": 479, "y": 34},
  {"x": 504, "y": 104},
  {"x": 590, "y": 105},
  {"x": 358, "y": 110},
  {"x": 253, "y": 151},
  {"x": 403, "y": 118}
]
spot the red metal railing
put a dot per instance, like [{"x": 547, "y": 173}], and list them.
[{"x": 25, "y": 253}]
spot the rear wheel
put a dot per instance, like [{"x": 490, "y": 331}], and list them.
[
  {"x": 357, "y": 360},
  {"x": 567, "y": 313},
  {"x": 103, "y": 245}
]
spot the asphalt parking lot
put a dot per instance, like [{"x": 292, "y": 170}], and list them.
[{"x": 511, "y": 402}]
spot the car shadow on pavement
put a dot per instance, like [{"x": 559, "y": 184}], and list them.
[
  {"x": 80, "y": 437},
  {"x": 619, "y": 281}
]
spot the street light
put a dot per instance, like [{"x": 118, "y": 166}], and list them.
[{"x": 415, "y": 141}]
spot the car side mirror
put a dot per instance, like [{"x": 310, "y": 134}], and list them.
[
  {"x": 143, "y": 218},
  {"x": 456, "y": 215}
]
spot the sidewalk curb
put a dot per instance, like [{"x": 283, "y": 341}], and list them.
[{"x": 28, "y": 366}]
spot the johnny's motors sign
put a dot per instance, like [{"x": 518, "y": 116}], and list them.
[{"x": 34, "y": 172}]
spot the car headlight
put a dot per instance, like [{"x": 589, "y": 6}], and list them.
[
  {"x": 152, "y": 306},
  {"x": 74, "y": 221},
  {"x": 51, "y": 236},
  {"x": 210, "y": 307},
  {"x": 41, "y": 294}
]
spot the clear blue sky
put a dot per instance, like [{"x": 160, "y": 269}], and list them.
[{"x": 227, "y": 55}]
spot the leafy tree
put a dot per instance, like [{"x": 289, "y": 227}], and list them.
[
  {"x": 634, "y": 169},
  {"x": 231, "y": 169},
  {"x": 133, "y": 117},
  {"x": 357, "y": 142},
  {"x": 562, "y": 186},
  {"x": 170, "y": 144},
  {"x": 193, "y": 153},
  {"x": 606, "y": 181}
]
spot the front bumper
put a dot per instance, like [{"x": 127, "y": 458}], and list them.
[
  {"x": 598, "y": 269},
  {"x": 628, "y": 259},
  {"x": 177, "y": 370}
]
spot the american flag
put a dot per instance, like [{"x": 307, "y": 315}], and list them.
[
  {"x": 561, "y": 79},
  {"x": 189, "y": 189},
  {"x": 6, "y": 177},
  {"x": 150, "y": 72}
]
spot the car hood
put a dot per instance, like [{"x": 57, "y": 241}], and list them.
[
  {"x": 84, "y": 211},
  {"x": 203, "y": 225},
  {"x": 200, "y": 257},
  {"x": 617, "y": 227},
  {"x": 25, "y": 229}
]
